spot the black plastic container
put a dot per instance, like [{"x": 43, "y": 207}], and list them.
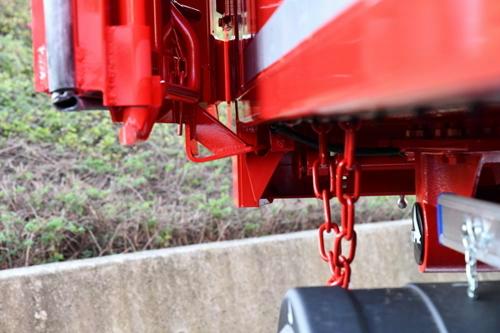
[{"x": 430, "y": 308}]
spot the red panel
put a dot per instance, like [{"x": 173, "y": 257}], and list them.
[
  {"x": 39, "y": 48},
  {"x": 385, "y": 53},
  {"x": 254, "y": 176},
  {"x": 89, "y": 50},
  {"x": 129, "y": 76},
  {"x": 439, "y": 173}
]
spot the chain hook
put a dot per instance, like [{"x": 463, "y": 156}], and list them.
[{"x": 339, "y": 175}]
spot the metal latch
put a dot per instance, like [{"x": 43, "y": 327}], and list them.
[{"x": 472, "y": 227}]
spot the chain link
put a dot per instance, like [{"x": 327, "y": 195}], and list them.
[
  {"x": 339, "y": 175},
  {"x": 471, "y": 231}
]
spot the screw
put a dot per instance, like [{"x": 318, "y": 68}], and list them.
[{"x": 402, "y": 203}]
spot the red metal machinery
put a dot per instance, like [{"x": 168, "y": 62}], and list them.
[{"x": 323, "y": 98}]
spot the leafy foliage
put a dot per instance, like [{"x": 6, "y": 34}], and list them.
[{"x": 68, "y": 190}]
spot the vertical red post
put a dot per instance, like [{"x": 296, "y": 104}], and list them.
[
  {"x": 133, "y": 12},
  {"x": 138, "y": 120}
]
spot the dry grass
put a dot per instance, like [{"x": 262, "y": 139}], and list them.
[{"x": 60, "y": 204}]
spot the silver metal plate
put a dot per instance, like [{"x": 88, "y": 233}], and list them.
[
  {"x": 454, "y": 211},
  {"x": 292, "y": 23}
]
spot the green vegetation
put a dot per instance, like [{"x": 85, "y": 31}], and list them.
[{"x": 68, "y": 190}]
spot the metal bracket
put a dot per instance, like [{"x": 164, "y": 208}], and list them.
[
  {"x": 203, "y": 128},
  {"x": 471, "y": 227}
]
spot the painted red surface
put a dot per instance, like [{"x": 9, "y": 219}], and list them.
[{"x": 384, "y": 54}]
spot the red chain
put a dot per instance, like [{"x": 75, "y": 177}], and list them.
[{"x": 346, "y": 168}]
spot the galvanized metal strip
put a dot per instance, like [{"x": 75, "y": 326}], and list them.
[
  {"x": 292, "y": 23},
  {"x": 59, "y": 40}
]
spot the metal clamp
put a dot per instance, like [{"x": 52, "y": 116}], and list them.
[
  {"x": 471, "y": 231},
  {"x": 472, "y": 227}
]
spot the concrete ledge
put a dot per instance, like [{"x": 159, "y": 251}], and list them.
[{"x": 233, "y": 286}]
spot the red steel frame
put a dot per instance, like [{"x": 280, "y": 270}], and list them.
[
  {"x": 384, "y": 54},
  {"x": 421, "y": 76}
]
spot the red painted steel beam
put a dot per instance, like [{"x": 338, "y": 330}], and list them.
[{"x": 375, "y": 54}]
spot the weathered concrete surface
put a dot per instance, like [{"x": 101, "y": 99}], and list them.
[{"x": 225, "y": 287}]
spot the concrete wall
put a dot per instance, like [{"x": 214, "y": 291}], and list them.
[{"x": 223, "y": 287}]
